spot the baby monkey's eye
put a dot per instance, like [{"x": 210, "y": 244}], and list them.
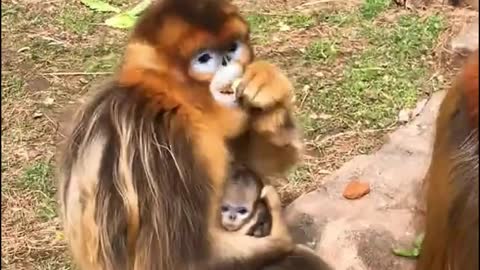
[
  {"x": 224, "y": 208},
  {"x": 242, "y": 210}
]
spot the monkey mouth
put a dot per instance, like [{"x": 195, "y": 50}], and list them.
[
  {"x": 224, "y": 84},
  {"x": 227, "y": 90},
  {"x": 231, "y": 228}
]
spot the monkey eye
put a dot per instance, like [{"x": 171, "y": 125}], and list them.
[
  {"x": 204, "y": 58},
  {"x": 206, "y": 62},
  {"x": 233, "y": 47},
  {"x": 224, "y": 208},
  {"x": 235, "y": 50},
  {"x": 242, "y": 210}
]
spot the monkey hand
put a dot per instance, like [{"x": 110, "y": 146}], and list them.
[
  {"x": 270, "y": 196},
  {"x": 265, "y": 85}
]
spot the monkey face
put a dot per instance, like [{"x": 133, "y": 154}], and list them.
[
  {"x": 234, "y": 216},
  {"x": 221, "y": 69},
  {"x": 203, "y": 47}
]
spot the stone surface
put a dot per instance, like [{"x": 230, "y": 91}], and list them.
[
  {"x": 360, "y": 234},
  {"x": 467, "y": 40}
]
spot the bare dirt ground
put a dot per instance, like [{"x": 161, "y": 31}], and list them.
[{"x": 355, "y": 65}]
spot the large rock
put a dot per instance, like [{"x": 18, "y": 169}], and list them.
[
  {"x": 360, "y": 234},
  {"x": 467, "y": 40}
]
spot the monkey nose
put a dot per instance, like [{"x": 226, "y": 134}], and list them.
[
  {"x": 225, "y": 60},
  {"x": 232, "y": 217}
]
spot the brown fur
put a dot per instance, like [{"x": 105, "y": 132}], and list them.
[
  {"x": 143, "y": 164},
  {"x": 451, "y": 238}
]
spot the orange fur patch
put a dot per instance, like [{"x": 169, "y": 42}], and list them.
[{"x": 470, "y": 87}]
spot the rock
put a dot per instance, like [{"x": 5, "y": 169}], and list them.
[
  {"x": 403, "y": 116},
  {"x": 356, "y": 189},
  {"x": 467, "y": 40},
  {"x": 360, "y": 234},
  {"x": 419, "y": 108}
]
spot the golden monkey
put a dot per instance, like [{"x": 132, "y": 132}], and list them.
[
  {"x": 143, "y": 164},
  {"x": 451, "y": 236}
]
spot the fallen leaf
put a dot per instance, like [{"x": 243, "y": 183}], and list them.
[
  {"x": 122, "y": 21},
  {"x": 100, "y": 6},
  {"x": 419, "y": 240},
  {"x": 139, "y": 8},
  {"x": 48, "y": 101},
  {"x": 412, "y": 252},
  {"x": 409, "y": 253},
  {"x": 356, "y": 189}
]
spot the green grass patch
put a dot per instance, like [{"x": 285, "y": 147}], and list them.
[
  {"x": 300, "y": 21},
  {"x": 102, "y": 58},
  {"x": 339, "y": 19},
  {"x": 12, "y": 86},
  {"x": 372, "y": 8},
  {"x": 321, "y": 50},
  {"x": 39, "y": 178},
  {"x": 79, "y": 20},
  {"x": 262, "y": 26},
  {"x": 376, "y": 83}
]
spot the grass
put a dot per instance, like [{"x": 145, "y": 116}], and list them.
[
  {"x": 372, "y": 8},
  {"x": 321, "y": 50},
  {"x": 39, "y": 179},
  {"x": 353, "y": 71}
]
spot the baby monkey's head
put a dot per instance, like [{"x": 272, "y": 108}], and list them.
[{"x": 242, "y": 191}]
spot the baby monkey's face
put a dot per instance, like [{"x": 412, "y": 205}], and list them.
[
  {"x": 239, "y": 200},
  {"x": 234, "y": 215}
]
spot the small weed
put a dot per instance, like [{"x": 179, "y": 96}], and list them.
[
  {"x": 79, "y": 23},
  {"x": 12, "y": 86},
  {"x": 321, "y": 50},
  {"x": 259, "y": 23},
  {"x": 300, "y": 21},
  {"x": 371, "y": 8},
  {"x": 338, "y": 19},
  {"x": 38, "y": 178}
]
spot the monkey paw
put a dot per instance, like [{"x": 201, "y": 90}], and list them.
[
  {"x": 271, "y": 198},
  {"x": 265, "y": 85}
]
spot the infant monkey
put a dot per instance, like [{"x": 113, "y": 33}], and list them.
[
  {"x": 243, "y": 209},
  {"x": 241, "y": 203}
]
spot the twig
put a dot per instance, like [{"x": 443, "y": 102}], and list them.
[
  {"x": 351, "y": 133},
  {"x": 76, "y": 73},
  {"x": 315, "y": 2},
  {"x": 303, "y": 99}
]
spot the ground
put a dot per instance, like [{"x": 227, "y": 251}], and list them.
[{"x": 355, "y": 65}]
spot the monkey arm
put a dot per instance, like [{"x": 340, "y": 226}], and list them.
[{"x": 272, "y": 144}]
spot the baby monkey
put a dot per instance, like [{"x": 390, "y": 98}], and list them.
[
  {"x": 242, "y": 208},
  {"x": 241, "y": 203}
]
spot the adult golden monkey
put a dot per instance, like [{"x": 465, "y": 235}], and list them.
[
  {"x": 451, "y": 236},
  {"x": 143, "y": 165}
]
